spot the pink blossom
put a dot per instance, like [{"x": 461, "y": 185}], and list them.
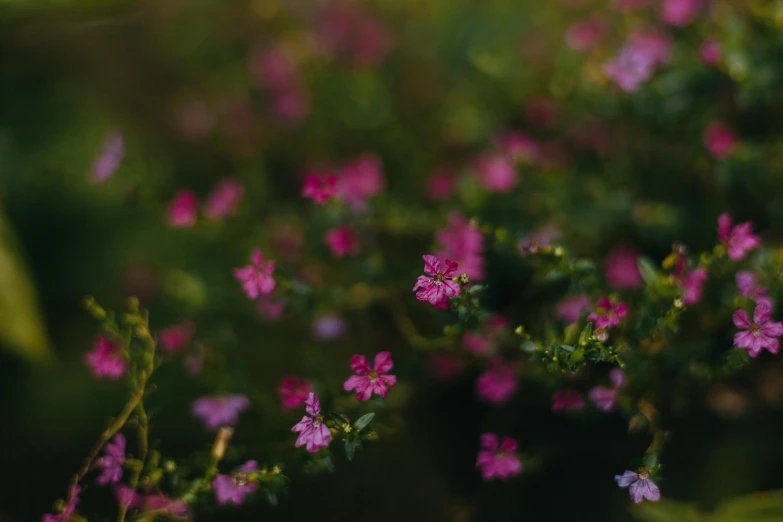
[
  {"x": 761, "y": 334},
  {"x": 320, "y": 187},
  {"x": 637, "y": 60},
  {"x": 256, "y": 278},
  {"x": 183, "y": 209},
  {"x": 567, "y": 400},
  {"x": 175, "y": 338},
  {"x": 440, "y": 186},
  {"x": 691, "y": 282},
  {"x": 232, "y": 489},
  {"x": 542, "y": 112},
  {"x": 342, "y": 241},
  {"x": 110, "y": 157},
  {"x": 437, "y": 288},
  {"x": 476, "y": 343},
  {"x": 608, "y": 314},
  {"x": 194, "y": 363},
  {"x": 224, "y": 199},
  {"x": 68, "y": 509},
  {"x": 571, "y": 309},
  {"x": 271, "y": 309},
  {"x": 496, "y": 173},
  {"x": 498, "y": 383},
  {"x": 679, "y": 12},
  {"x": 112, "y": 460},
  {"x": 106, "y": 359},
  {"x": 582, "y": 36},
  {"x": 463, "y": 242},
  {"x": 160, "y": 504},
  {"x": 606, "y": 398},
  {"x": 280, "y": 77},
  {"x": 541, "y": 238},
  {"x": 361, "y": 179},
  {"x": 294, "y": 391},
  {"x": 746, "y": 284},
  {"x": 348, "y": 33},
  {"x": 621, "y": 268},
  {"x": 371, "y": 380},
  {"x": 220, "y": 410},
  {"x": 519, "y": 147},
  {"x": 313, "y": 433},
  {"x": 719, "y": 140},
  {"x": 328, "y": 327},
  {"x": 739, "y": 240},
  {"x": 710, "y": 52},
  {"x": 639, "y": 486},
  {"x": 445, "y": 366},
  {"x": 496, "y": 459}
]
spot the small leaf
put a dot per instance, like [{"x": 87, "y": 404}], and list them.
[
  {"x": 651, "y": 461},
  {"x": 666, "y": 511},
  {"x": 475, "y": 289},
  {"x": 577, "y": 356},
  {"x": 584, "y": 265},
  {"x": 339, "y": 419},
  {"x": 363, "y": 421},
  {"x": 567, "y": 348},
  {"x": 350, "y": 449},
  {"x": 648, "y": 270},
  {"x": 271, "y": 498},
  {"x": 587, "y": 331}
]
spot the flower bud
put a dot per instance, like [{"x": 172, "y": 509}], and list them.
[
  {"x": 464, "y": 279},
  {"x": 601, "y": 335},
  {"x": 222, "y": 439}
]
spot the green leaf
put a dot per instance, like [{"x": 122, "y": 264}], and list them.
[
  {"x": 587, "y": 331},
  {"x": 584, "y": 265},
  {"x": 339, "y": 419},
  {"x": 758, "y": 507},
  {"x": 651, "y": 461},
  {"x": 350, "y": 449},
  {"x": 567, "y": 348},
  {"x": 363, "y": 421},
  {"x": 667, "y": 511},
  {"x": 648, "y": 270},
  {"x": 271, "y": 498},
  {"x": 577, "y": 356},
  {"x": 475, "y": 289}
]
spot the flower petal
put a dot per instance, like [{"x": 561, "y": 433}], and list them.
[
  {"x": 359, "y": 365},
  {"x": 431, "y": 265},
  {"x": 740, "y": 319},
  {"x": 383, "y": 362}
]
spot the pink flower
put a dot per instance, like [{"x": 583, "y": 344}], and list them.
[
  {"x": 519, "y": 147},
  {"x": 348, "y": 33},
  {"x": 567, "y": 400},
  {"x": 232, "y": 489},
  {"x": 112, "y": 460},
  {"x": 256, "y": 278},
  {"x": 496, "y": 459},
  {"x": 445, "y": 366},
  {"x": 541, "y": 238},
  {"x": 496, "y": 173},
  {"x": 637, "y": 61},
  {"x": 710, "y": 52},
  {"x": 679, "y": 12},
  {"x": 220, "y": 410},
  {"x": 160, "y": 504},
  {"x": 621, "y": 269},
  {"x": 739, "y": 240},
  {"x": 476, "y": 343},
  {"x": 313, "y": 433},
  {"x": 746, "y": 284},
  {"x": 320, "y": 187},
  {"x": 440, "y": 186},
  {"x": 608, "y": 314},
  {"x": 691, "y": 282},
  {"x": 176, "y": 338},
  {"x": 281, "y": 78},
  {"x": 606, "y": 398},
  {"x": 68, "y": 509},
  {"x": 639, "y": 486},
  {"x": 183, "y": 209},
  {"x": 719, "y": 140},
  {"x": 371, "y": 380},
  {"x": 106, "y": 359},
  {"x": 271, "y": 309},
  {"x": 194, "y": 362},
  {"x": 361, "y": 179},
  {"x": 293, "y": 391},
  {"x": 439, "y": 286},
  {"x": 571, "y": 309},
  {"x": 110, "y": 157},
  {"x": 224, "y": 199},
  {"x": 497, "y": 384},
  {"x": 582, "y": 36},
  {"x": 463, "y": 242},
  {"x": 342, "y": 241},
  {"x": 760, "y": 334},
  {"x": 328, "y": 327}
]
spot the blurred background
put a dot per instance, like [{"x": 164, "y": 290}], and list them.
[{"x": 265, "y": 91}]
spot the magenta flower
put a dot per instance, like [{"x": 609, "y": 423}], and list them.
[
  {"x": 320, "y": 187},
  {"x": 112, "y": 460},
  {"x": 496, "y": 173},
  {"x": 313, "y": 433},
  {"x": 519, "y": 147},
  {"x": 606, "y": 398},
  {"x": 476, "y": 343},
  {"x": 183, "y": 209},
  {"x": 360, "y": 179},
  {"x": 175, "y": 338},
  {"x": 220, "y": 410},
  {"x": 608, "y": 314},
  {"x": 445, "y": 366},
  {"x": 224, "y": 199},
  {"x": 345, "y": 32},
  {"x": 464, "y": 243},
  {"x": 232, "y": 489},
  {"x": 271, "y": 309},
  {"x": 110, "y": 157},
  {"x": 496, "y": 459},
  {"x": 294, "y": 391},
  {"x": 746, "y": 284},
  {"x": 567, "y": 400},
  {"x": 621, "y": 268},
  {"x": 371, "y": 380},
  {"x": 160, "y": 504},
  {"x": 679, "y": 12},
  {"x": 328, "y": 327},
  {"x": 760, "y": 334},
  {"x": 256, "y": 278},
  {"x": 342, "y": 241},
  {"x": 440, "y": 186},
  {"x": 639, "y": 485},
  {"x": 582, "y": 36},
  {"x": 571, "y": 309},
  {"x": 68, "y": 509},
  {"x": 498, "y": 383},
  {"x": 437, "y": 288},
  {"x": 636, "y": 62},
  {"x": 710, "y": 52},
  {"x": 691, "y": 282},
  {"x": 739, "y": 240},
  {"x": 280, "y": 77},
  {"x": 106, "y": 359},
  {"x": 719, "y": 140}
]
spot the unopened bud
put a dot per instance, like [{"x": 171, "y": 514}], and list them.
[
  {"x": 464, "y": 279},
  {"x": 222, "y": 439},
  {"x": 601, "y": 335},
  {"x": 94, "y": 309},
  {"x": 519, "y": 330},
  {"x": 169, "y": 466},
  {"x": 678, "y": 303}
]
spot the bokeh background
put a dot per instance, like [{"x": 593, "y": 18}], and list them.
[{"x": 265, "y": 90}]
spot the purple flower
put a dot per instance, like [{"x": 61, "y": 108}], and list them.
[
  {"x": 637, "y": 61},
  {"x": 691, "y": 282},
  {"x": 224, "y": 199},
  {"x": 232, "y": 489},
  {"x": 106, "y": 359},
  {"x": 567, "y": 400},
  {"x": 313, "y": 433},
  {"x": 746, "y": 284},
  {"x": 606, "y": 398},
  {"x": 70, "y": 506},
  {"x": 371, "y": 380},
  {"x": 183, "y": 209},
  {"x": 439, "y": 286},
  {"x": 639, "y": 485},
  {"x": 608, "y": 314},
  {"x": 760, "y": 334},
  {"x": 329, "y": 326},
  {"x": 112, "y": 460},
  {"x": 622, "y": 269},
  {"x": 110, "y": 157},
  {"x": 497, "y": 459},
  {"x": 222, "y": 410},
  {"x": 161, "y": 504}
]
